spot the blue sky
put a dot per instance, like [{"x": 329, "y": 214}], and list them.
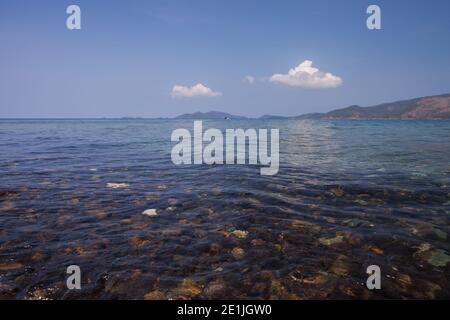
[{"x": 129, "y": 55}]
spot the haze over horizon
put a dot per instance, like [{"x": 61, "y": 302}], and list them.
[{"x": 166, "y": 58}]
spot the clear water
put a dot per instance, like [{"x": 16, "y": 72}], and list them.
[{"x": 349, "y": 194}]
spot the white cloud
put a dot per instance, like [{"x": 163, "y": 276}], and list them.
[
  {"x": 196, "y": 90},
  {"x": 306, "y": 76},
  {"x": 249, "y": 79}
]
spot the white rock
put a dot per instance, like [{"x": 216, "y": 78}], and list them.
[
  {"x": 150, "y": 212},
  {"x": 117, "y": 185}
]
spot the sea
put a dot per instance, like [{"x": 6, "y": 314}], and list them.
[{"x": 348, "y": 195}]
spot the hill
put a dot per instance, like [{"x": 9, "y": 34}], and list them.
[
  {"x": 433, "y": 107},
  {"x": 209, "y": 115}
]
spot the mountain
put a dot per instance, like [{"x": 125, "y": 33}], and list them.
[
  {"x": 424, "y": 108},
  {"x": 209, "y": 115},
  {"x": 433, "y": 107}
]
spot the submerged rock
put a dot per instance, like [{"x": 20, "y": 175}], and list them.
[
  {"x": 215, "y": 248},
  {"x": 352, "y": 238},
  {"x": 278, "y": 291},
  {"x": 331, "y": 241},
  {"x": 238, "y": 253},
  {"x": 318, "y": 279},
  {"x": 7, "y": 193},
  {"x": 155, "y": 295},
  {"x": 257, "y": 242},
  {"x": 114, "y": 185},
  {"x": 436, "y": 257},
  {"x": 338, "y": 192},
  {"x": 7, "y": 205},
  {"x": 355, "y": 223},
  {"x": 118, "y": 284},
  {"x": 307, "y": 226},
  {"x": 375, "y": 250},
  {"x": 361, "y": 202},
  {"x": 37, "y": 256},
  {"x": 137, "y": 241},
  {"x": 188, "y": 288},
  {"x": 404, "y": 280},
  {"x": 8, "y": 266},
  {"x": 150, "y": 212},
  {"x": 7, "y": 290},
  {"x": 126, "y": 221},
  {"x": 37, "y": 294},
  {"x": 340, "y": 267},
  {"x": 424, "y": 229},
  {"x": 241, "y": 234},
  {"x": 439, "y": 258},
  {"x": 216, "y": 289},
  {"x": 216, "y": 191},
  {"x": 330, "y": 219},
  {"x": 171, "y": 232},
  {"x": 88, "y": 252}
]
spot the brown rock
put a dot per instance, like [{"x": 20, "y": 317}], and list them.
[
  {"x": 375, "y": 250},
  {"x": 257, "y": 242},
  {"x": 238, "y": 253},
  {"x": 38, "y": 256},
  {"x": 137, "y": 241},
  {"x": 318, "y": 279},
  {"x": 189, "y": 288},
  {"x": 126, "y": 221},
  {"x": 155, "y": 295},
  {"x": 7, "y": 266},
  {"x": 339, "y": 267},
  {"x": 338, "y": 192},
  {"x": 85, "y": 252},
  {"x": 215, "y": 248}
]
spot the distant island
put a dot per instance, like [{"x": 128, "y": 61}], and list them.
[
  {"x": 209, "y": 115},
  {"x": 424, "y": 108}
]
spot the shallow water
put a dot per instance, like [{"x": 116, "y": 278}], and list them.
[{"x": 349, "y": 194}]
